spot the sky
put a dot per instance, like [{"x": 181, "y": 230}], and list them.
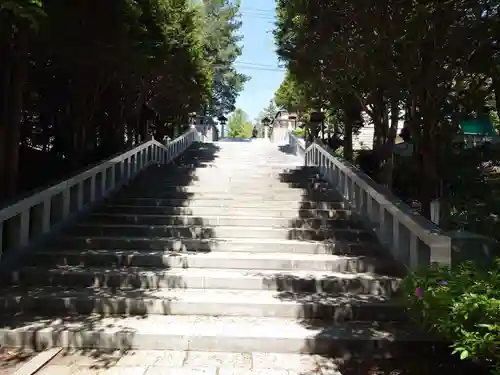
[{"x": 259, "y": 59}]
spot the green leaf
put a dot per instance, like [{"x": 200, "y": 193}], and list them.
[{"x": 464, "y": 355}]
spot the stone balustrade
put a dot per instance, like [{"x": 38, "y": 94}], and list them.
[
  {"x": 29, "y": 219},
  {"x": 413, "y": 240}
]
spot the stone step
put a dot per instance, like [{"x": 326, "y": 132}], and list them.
[
  {"x": 216, "y": 182},
  {"x": 201, "y": 211},
  {"x": 277, "y": 173},
  {"x": 218, "y": 334},
  {"x": 214, "y": 260},
  {"x": 196, "y": 278},
  {"x": 214, "y": 302},
  {"x": 172, "y": 362},
  {"x": 289, "y": 193},
  {"x": 254, "y": 196},
  {"x": 196, "y": 169},
  {"x": 225, "y": 201},
  {"x": 202, "y": 231},
  {"x": 225, "y": 245},
  {"x": 175, "y": 173},
  {"x": 270, "y": 222}
]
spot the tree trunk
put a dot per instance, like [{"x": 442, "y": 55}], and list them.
[
  {"x": 386, "y": 150},
  {"x": 13, "y": 71},
  {"x": 348, "y": 153},
  {"x": 380, "y": 121},
  {"x": 18, "y": 81},
  {"x": 5, "y": 76}
]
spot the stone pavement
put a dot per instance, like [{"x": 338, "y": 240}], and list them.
[{"x": 160, "y": 362}]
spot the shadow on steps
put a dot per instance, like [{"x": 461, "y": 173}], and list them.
[
  {"x": 412, "y": 350},
  {"x": 185, "y": 166}
]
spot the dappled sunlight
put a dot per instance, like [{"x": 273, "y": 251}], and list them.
[
  {"x": 314, "y": 282},
  {"x": 112, "y": 262},
  {"x": 360, "y": 301},
  {"x": 11, "y": 359}
]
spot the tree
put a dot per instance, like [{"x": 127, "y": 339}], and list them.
[
  {"x": 387, "y": 57},
  {"x": 222, "y": 48},
  {"x": 17, "y": 21},
  {"x": 292, "y": 96},
  {"x": 67, "y": 99},
  {"x": 239, "y": 125},
  {"x": 270, "y": 112}
]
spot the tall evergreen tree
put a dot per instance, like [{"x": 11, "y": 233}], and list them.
[{"x": 222, "y": 48}]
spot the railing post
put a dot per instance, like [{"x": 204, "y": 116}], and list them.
[
  {"x": 414, "y": 252},
  {"x": 103, "y": 183},
  {"x": 79, "y": 197},
  {"x": 46, "y": 208},
  {"x": 381, "y": 223},
  {"x": 1, "y": 238},
  {"x": 112, "y": 177},
  {"x": 122, "y": 172},
  {"x": 24, "y": 228},
  {"x": 128, "y": 169},
  {"x": 369, "y": 208},
  {"x": 66, "y": 201},
  {"x": 395, "y": 236},
  {"x": 92, "y": 189}
]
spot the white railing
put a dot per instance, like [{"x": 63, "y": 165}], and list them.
[
  {"x": 33, "y": 217},
  {"x": 413, "y": 240},
  {"x": 297, "y": 145}
]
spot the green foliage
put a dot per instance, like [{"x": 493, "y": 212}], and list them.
[
  {"x": 462, "y": 304},
  {"x": 384, "y": 57},
  {"x": 30, "y": 10},
  {"x": 99, "y": 73},
  {"x": 239, "y": 125},
  {"x": 221, "y": 23},
  {"x": 495, "y": 120},
  {"x": 292, "y": 96},
  {"x": 475, "y": 194},
  {"x": 300, "y": 132},
  {"x": 270, "y": 112}
]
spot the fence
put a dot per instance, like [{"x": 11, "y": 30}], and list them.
[
  {"x": 35, "y": 216},
  {"x": 412, "y": 240}
]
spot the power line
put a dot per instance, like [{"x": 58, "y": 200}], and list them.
[
  {"x": 262, "y": 67},
  {"x": 250, "y": 67},
  {"x": 257, "y": 15},
  {"x": 268, "y": 11},
  {"x": 257, "y": 64}
]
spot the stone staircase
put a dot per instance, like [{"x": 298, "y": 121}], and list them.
[{"x": 235, "y": 247}]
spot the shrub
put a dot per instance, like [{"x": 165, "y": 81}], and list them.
[
  {"x": 300, "y": 132},
  {"x": 462, "y": 305}
]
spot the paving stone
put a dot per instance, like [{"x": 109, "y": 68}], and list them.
[
  {"x": 140, "y": 358},
  {"x": 229, "y": 360},
  {"x": 136, "y": 370},
  {"x": 157, "y": 370},
  {"x": 297, "y": 362},
  {"x": 95, "y": 359},
  {"x": 57, "y": 370},
  {"x": 85, "y": 371},
  {"x": 253, "y": 372},
  {"x": 171, "y": 358}
]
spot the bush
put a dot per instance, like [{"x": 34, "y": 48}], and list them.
[
  {"x": 461, "y": 304},
  {"x": 300, "y": 132}
]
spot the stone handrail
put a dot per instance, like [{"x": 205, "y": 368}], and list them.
[
  {"x": 296, "y": 144},
  {"x": 413, "y": 240},
  {"x": 33, "y": 217}
]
